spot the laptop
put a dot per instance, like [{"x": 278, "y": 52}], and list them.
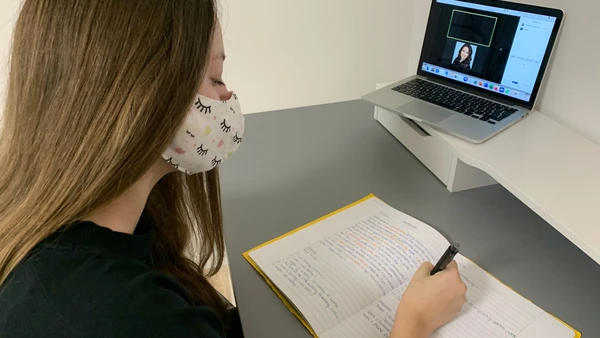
[{"x": 480, "y": 70}]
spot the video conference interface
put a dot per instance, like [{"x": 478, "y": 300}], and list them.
[{"x": 497, "y": 49}]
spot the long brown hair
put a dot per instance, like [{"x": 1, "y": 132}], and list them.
[{"x": 96, "y": 91}]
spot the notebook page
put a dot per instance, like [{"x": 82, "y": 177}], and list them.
[
  {"x": 375, "y": 320},
  {"x": 492, "y": 311},
  {"x": 336, "y": 267}
]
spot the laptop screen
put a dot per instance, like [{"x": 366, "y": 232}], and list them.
[{"x": 501, "y": 50}]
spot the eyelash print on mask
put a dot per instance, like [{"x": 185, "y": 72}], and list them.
[
  {"x": 215, "y": 162},
  {"x": 203, "y": 109},
  {"x": 232, "y": 110},
  {"x": 224, "y": 127},
  {"x": 201, "y": 151},
  {"x": 190, "y": 133},
  {"x": 170, "y": 161},
  {"x": 237, "y": 139},
  {"x": 235, "y": 96}
]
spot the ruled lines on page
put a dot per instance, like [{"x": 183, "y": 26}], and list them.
[
  {"x": 492, "y": 311},
  {"x": 338, "y": 275}
]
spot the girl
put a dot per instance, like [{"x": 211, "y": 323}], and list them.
[{"x": 116, "y": 120}]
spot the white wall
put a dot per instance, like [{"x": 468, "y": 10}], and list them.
[
  {"x": 8, "y": 16},
  {"x": 290, "y": 53},
  {"x": 571, "y": 88}
]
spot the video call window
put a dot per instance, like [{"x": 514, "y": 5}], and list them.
[{"x": 471, "y": 41}]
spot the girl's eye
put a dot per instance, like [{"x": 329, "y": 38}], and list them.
[{"x": 218, "y": 83}]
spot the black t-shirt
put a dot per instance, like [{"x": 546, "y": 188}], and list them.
[{"x": 89, "y": 281}]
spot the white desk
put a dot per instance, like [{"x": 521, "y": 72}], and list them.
[{"x": 553, "y": 170}]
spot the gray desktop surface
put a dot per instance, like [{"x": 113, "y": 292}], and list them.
[{"x": 297, "y": 165}]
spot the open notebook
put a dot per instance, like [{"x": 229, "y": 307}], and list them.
[{"x": 344, "y": 274}]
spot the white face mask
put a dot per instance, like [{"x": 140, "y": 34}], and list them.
[{"x": 211, "y": 132}]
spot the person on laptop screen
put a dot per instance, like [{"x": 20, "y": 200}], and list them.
[{"x": 463, "y": 59}]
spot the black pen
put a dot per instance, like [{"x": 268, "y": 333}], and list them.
[{"x": 447, "y": 257}]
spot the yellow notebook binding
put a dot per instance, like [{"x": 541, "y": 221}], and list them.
[{"x": 291, "y": 307}]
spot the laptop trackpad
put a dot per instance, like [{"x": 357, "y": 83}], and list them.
[{"x": 425, "y": 111}]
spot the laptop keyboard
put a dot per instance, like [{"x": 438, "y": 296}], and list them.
[{"x": 461, "y": 102}]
